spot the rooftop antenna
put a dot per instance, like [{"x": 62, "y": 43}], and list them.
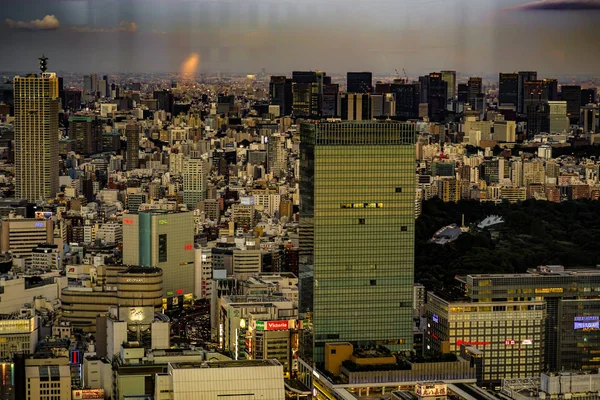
[{"x": 43, "y": 61}]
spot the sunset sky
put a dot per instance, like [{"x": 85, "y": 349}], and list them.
[{"x": 471, "y": 36}]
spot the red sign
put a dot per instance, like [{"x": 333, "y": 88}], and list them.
[
  {"x": 459, "y": 342},
  {"x": 510, "y": 342},
  {"x": 71, "y": 269},
  {"x": 277, "y": 325},
  {"x": 179, "y": 291},
  {"x": 88, "y": 394},
  {"x": 188, "y": 246},
  {"x": 128, "y": 221}
]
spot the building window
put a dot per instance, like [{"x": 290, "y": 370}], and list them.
[
  {"x": 361, "y": 221},
  {"x": 373, "y": 282},
  {"x": 333, "y": 351},
  {"x": 398, "y": 190},
  {"x": 404, "y": 229},
  {"x": 162, "y": 248}
]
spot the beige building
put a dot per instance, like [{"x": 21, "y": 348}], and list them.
[
  {"x": 505, "y": 131},
  {"x": 48, "y": 379},
  {"x": 16, "y": 292},
  {"x": 195, "y": 173},
  {"x": 18, "y": 335},
  {"x": 36, "y": 136},
  {"x": 20, "y": 235}
]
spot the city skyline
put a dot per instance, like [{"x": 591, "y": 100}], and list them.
[{"x": 229, "y": 37}]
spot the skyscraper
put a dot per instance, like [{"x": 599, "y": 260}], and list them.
[
  {"x": 463, "y": 92},
  {"x": 195, "y": 174},
  {"x": 359, "y": 82},
  {"x": 357, "y": 234},
  {"x": 572, "y": 95},
  {"x": 36, "y": 136},
  {"x": 508, "y": 85},
  {"x": 407, "y": 100},
  {"x": 588, "y": 96},
  {"x": 524, "y": 76},
  {"x": 86, "y": 130},
  {"x": 280, "y": 94},
  {"x": 450, "y": 78},
  {"x": 476, "y": 93},
  {"x": 132, "y": 132},
  {"x": 307, "y": 90}
]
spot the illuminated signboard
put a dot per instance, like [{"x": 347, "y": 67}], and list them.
[
  {"x": 435, "y": 318},
  {"x": 549, "y": 290},
  {"x": 128, "y": 221},
  {"x": 362, "y": 205},
  {"x": 39, "y": 224},
  {"x": 163, "y": 222},
  {"x": 586, "y": 322},
  {"x": 82, "y": 394},
  {"x": 75, "y": 357},
  {"x": 43, "y": 214},
  {"x": 188, "y": 246},
  {"x": 461, "y": 342},
  {"x": 179, "y": 291},
  {"x": 426, "y": 390},
  {"x": 272, "y": 325},
  {"x": 515, "y": 342}
]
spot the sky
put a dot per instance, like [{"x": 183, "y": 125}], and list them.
[{"x": 555, "y": 37}]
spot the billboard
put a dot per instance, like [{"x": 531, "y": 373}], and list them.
[
  {"x": 82, "y": 394},
  {"x": 430, "y": 389},
  {"x": 282, "y": 325},
  {"x": 43, "y": 214},
  {"x": 586, "y": 322}
]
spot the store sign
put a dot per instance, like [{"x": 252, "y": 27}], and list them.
[
  {"x": 188, "y": 247},
  {"x": 460, "y": 342},
  {"x": 435, "y": 318},
  {"x": 586, "y": 322},
  {"x": 433, "y": 390},
  {"x": 39, "y": 224},
  {"x": 163, "y": 222},
  {"x": 128, "y": 221},
  {"x": 549, "y": 290},
  {"x": 88, "y": 394},
  {"x": 272, "y": 325},
  {"x": 43, "y": 214}
]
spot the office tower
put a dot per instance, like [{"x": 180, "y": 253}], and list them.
[
  {"x": 524, "y": 76},
  {"x": 559, "y": 122},
  {"x": 552, "y": 87},
  {"x": 86, "y": 131},
  {"x": 164, "y": 239},
  {"x": 330, "y": 100},
  {"x": 132, "y": 132},
  {"x": 195, "y": 175},
  {"x": 165, "y": 100},
  {"x": 434, "y": 90},
  {"x": 357, "y": 234},
  {"x": 535, "y": 92},
  {"x": 588, "y": 96},
  {"x": 276, "y": 156},
  {"x": 36, "y": 136},
  {"x": 90, "y": 83},
  {"x": 48, "y": 378},
  {"x": 355, "y": 107},
  {"x": 104, "y": 87},
  {"x": 505, "y": 131},
  {"x": 463, "y": 92},
  {"x": 359, "y": 82},
  {"x": 572, "y": 95},
  {"x": 538, "y": 118},
  {"x": 475, "y": 89},
  {"x": 407, "y": 100},
  {"x": 307, "y": 90},
  {"x": 589, "y": 118},
  {"x": 280, "y": 94},
  {"x": 450, "y": 78},
  {"x": 508, "y": 84}
]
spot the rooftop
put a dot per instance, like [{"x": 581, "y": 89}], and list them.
[{"x": 226, "y": 364}]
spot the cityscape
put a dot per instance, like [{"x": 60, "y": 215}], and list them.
[{"x": 248, "y": 227}]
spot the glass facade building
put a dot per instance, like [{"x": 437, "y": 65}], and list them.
[{"x": 357, "y": 190}]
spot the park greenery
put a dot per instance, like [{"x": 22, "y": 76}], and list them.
[{"x": 534, "y": 233}]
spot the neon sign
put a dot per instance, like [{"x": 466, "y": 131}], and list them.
[
  {"x": 586, "y": 322},
  {"x": 461, "y": 342},
  {"x": 435, "y": 318},
  {"x": 39, "y": 224},
  {"x": 163, "y": 222},
  {"x": 128, "y": 221},
  {"x": 188, "y": 246}
]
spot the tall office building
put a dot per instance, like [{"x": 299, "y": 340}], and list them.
[
  {"x": 558, "y": 120},
  {"x": 475, "y": 88},
  {"x": 359, "y": 82},
  {"x": 355, "y": 107},
  {"x": 407, "y": 100},
  {"x": 524, "y": 76},
  {"x": 572, "y": 95},
  {"x": 534, "y": 92},
  {"x": 280, "y": 94},
  {"x": 434, "y": 91},
  {"x": 588, "y": 96},
  {"x": 90, "y": 83},
  {"x": 195, "y": 174},
  {"x": 307, "y": 91},
  {"x": 164, "y": 239},
  {"x": 36, "y": 136},
  {"x": 463, "y": 92},
  {"x": 508, "y": 85},
  {"x": 86, "y": 130},
  {"x": 132, "y": 132},
  {"x": 450, "y": 78},
  {"x": 357, "y": 234}
]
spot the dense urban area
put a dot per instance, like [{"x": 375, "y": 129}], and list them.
[{"x": 355, "y": 236}]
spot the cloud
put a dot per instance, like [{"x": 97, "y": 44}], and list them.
[
  {"x": 124, "y": 26},
  {"x": 559, "y": 5},
  {"x": 49, "y": 22}
]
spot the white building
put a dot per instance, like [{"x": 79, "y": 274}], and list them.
[
  {"x": 195, "y": 173},
  {"x": 48, "y": 379},
  {"x": 16, "y": 292},
  {"x": 18, "y": 335},
  {"x": 110, "y": 232},
  {"x": 254, "y": 379}
]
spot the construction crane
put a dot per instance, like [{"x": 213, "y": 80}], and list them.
[{"x": 405, "y": 75}]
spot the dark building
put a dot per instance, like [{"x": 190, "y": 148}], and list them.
[
  {"x": 475, "y": 90},
  {"x": 524, "y": 76},
  {"x": 165, "y": 100},
  {"x": 280, "y": 94},
  {"x": 359, "y": 82},
  {"x": 329, "y": 105},
  {"x": 552, "y": 85},
  {"x": 508, "y": 85},
  {"x": 407, "y": 100},
  {"x": 7, "y": 95},
  {"x": 355, "y": 107},
  {"x": 132, "y": 133},
  {"x": 381, "y": 88},
  {"x": 463, "y": 92},
  {"x": 534, "y": 92},
  {"x": 588, "y": 96},
  {"x": 434, "y": 89},
  {"x": 572, "y": 95},
  {"x": 86, "y": 131},
  {"x": 71, "y": 100},
  {"x": 307, "y": 90},
  {"x": 538, "y": 118}
]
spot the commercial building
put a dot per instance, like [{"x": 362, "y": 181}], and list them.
[
  {"x": 110, "y": 286},
  {"x": 163, "y": 239},
  {"x": 357, "y": 233},
  {"x": 359, "y": 82},
  {"x": 572, "y": 95},
  {"x": 48, "y": 378},
  {"x": 86, "y": 131},
  {"x": 195, "y": 173},
  {"x": 18, "y": 335},
  {"x": 20, "y": 235},
  {"x": 255, "y": 379},
  {"x": 36, "y": 136},
  {"x": 15, "y": 292},
  {"x": 508, "y": 84},
  {"x": 280, "y": 94},
  {"x": 450, "y": 78},
  {"x": 46, "y": 256},
  {"x": 132, "y": 133}
]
